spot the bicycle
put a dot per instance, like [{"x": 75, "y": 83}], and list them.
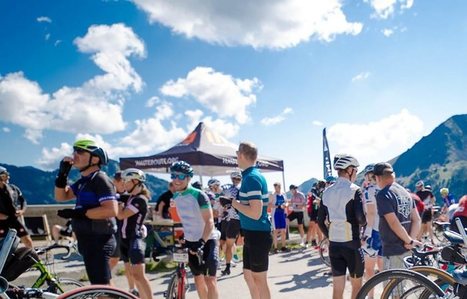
[
  {"x": 24, "y": 259},
  {"x": 178, "y": 284},
  {"x": 450, "y": 286},
  {"x": 8, "y": 246}
]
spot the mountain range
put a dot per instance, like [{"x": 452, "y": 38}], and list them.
[
  {"x": 439, "y": 159},
  {"x": 38, "y": 185}
]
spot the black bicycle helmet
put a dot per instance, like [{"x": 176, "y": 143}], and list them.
[{"x": 182, "y": 167}]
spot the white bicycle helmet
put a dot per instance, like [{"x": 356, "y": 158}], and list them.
[
  {"x": 134, "y": 174},
  {"x": 342, "y": 161}
]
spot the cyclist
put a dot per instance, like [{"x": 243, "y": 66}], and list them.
[
  {"x": 298, "y": 203},
  {"x": 232, "y": 223},
  {"x": 163, "y": 203},
  {"x": 133, "y": 232},
  {"x": 194, "y": 208},
  {"x": 255, "y": 224},
  {"x": 313, "y": 202},
  {"x": 427, "y": 216},
  {"x": 371, "y": 241},
  {"x": 342, "y": 207},
  {"x": 12, "y": 207},
  {"x": 93, "y": 219},
  {"x": 122, "y": 197},
  {"x": 278, "y": 204},
  {"x": 399, "y": 219},
  {"x": 448, "y": 200},
  {"x": 461, "y": 213}
]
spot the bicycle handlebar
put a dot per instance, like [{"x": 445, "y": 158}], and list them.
[{"x": 42, "y": 250}]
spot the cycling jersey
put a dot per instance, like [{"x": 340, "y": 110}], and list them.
[
  {"x": 369, "y": 195},
  {"x": 342, "y": 205},
  {"x": 254, "y": 187},
  {"x": 231, "y": 212},
  {"x": 190, "y": 204},
  {"x": 426, "y": 196},
  {"x": 90, "y": 192},
  {"x": 132, "y": 226}
]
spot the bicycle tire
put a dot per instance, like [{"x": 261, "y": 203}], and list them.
[
  {"x": 399, "y": 275},
  {"x": 440, "y": 277},
  {"x": 174, "y": 288},
  {"x": 97, "y": 291},
  {"x": 324, "y": 252}
]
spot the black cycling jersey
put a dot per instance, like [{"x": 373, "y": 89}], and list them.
[{"x": 131, "y": 227}]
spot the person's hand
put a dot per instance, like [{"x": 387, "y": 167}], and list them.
[
  {"x": 63, "y": 171},
  {"x": 19, "y": 212},
  {"x": 197, "y": 246},
  {"x": 413, "y": 243},
  {"x": 72, "y": 213}
]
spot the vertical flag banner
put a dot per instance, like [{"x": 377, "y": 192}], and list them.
[{"x": 327, "y": 167}]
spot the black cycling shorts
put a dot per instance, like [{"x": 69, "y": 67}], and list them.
[
  {"x": 223, "y": 230},
  {"x": 313, "y": 215},
  {"x": 256, "y": 250},
  {"x": 233, "y": 229},
  {"x": 210, "y": 258},
  {"x": 343, "y": 258},
  {"x": 96, "y": 251},
  {"x": 118, "y": 240},
  {"x": 296, "y": 215},
  {"x": 132, "y": 250},
  {"x": 21, "y": 230},
  {"x": 427, "y": 216}
]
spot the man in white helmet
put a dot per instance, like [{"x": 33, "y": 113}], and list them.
[{"x": 342, "y": 207}]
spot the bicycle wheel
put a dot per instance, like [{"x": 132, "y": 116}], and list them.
[
  {"x": 67, "y": 284},
  {"x": 410, "y": 280},
  {"x": 178, "y": 286},
  {"x": 324, "y": 252},
  {"x": 97, "y": 291},
  {"x": 443, "y": 279}
]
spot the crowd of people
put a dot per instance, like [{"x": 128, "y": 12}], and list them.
[{"x": 370, "y": 226}]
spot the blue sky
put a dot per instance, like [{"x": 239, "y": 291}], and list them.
[{"x": 139, "y": 75}]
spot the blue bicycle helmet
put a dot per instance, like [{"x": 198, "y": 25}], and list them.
[{"x": 369, "y": 168}]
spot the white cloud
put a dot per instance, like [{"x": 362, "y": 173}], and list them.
[
  {"x": 44, "y": 20},
  {"x": 361, "y": 76},
  {"x": 51, "y": 157},
  {"x": 6, "y": 129},
  {"x": 218, "y": 92},
  {"x": 47, "y": 36},
  {"x": 376, "y": 141},
  {"x": 261, "y": 24},
  {"x": 317, "y": 123},
  {"x": 268, "y": 121},
  {"x": 78, "y": 109},
  {"x": 152, "y": 101},
  {"x": 388, "y": 32},
  {"x": 384, "y": 9},
  {"x": 194, "y": 117},
  {"x": 57, "y": 42}
]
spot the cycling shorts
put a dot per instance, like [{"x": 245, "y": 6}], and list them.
[
  {"x": 256, "y": 250},
  {"x": 233, "y": 229},
  {"x": 118, "y": 242},
  {"x": 96, "y": 251},
  {"x": 132, "y": 250},
  {"x": 343, "y": 258},
  {"x": 313, "y": 215},
  {"x": 296, "y": 215},
  {"x": 427, "y": 216},
  {"x": 21, "y": 230},
  {"x": 210, "y": 258},
  {"x": 223, "y": 230}
]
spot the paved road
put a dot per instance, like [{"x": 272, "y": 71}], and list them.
[{"x": 296, "y": 274}]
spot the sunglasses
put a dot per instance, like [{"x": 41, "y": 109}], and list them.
[
  {"x": 79, "y": 151},
  {"x": 181, "y": 177}
]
